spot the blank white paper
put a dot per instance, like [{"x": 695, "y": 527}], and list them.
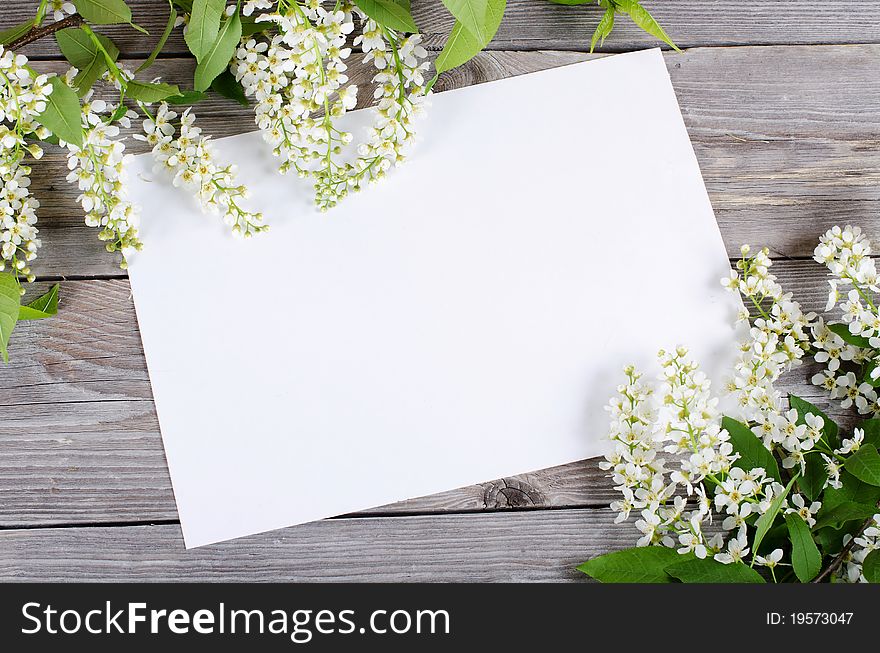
[{"x": 465, "y": 320}]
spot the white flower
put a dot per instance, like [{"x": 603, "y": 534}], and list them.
[
  {"x": 248, "y": 8},
  {"x": 851, "y": 445},
  {"x": 97, "y": 168},
  {"x": 23, "y": 98},
  {"x": 806, "y": 512},
  {"x": 299, "y": 83},
  {"x": 190, "y": 158},
  {"x": 60, "y": 7},
  {"x": 737, "y": 549},
  {"x": 833, "y": 469},
  {"x": 771, "y": 560}
]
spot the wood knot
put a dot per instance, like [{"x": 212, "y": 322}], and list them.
[{"x": 511, "y": 493}]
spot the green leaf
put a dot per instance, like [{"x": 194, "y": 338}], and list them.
[
  {"x": 766, "y": 520},
  {"x": 815, "y": 474},
  {"x": 172, "y": 17},
  {"x": 830, "y": 541},
  {"x": 805, "y": 408},
  {"x": 852, "y": 490},
  {"x": 204, "y": 26},
  {"x": 16, "y": 32},
  {"x": 805, "y": 556},
  {"x": 389, "y": 14},
  {"x": 603, "y": 29},
  {"x": 462, "y": 46},
  {"x": 843, "y": 331},
  {"x": 644, "y": 564},
  {"x": 871, "y": 427},
  {"x": 216, "y": 60},
  {"x": 471, "y": 14},
  {"x": 226, "y": 85},
  {"x": 864, "y": 464},
  {"x": 643, "y": 19},
  {"x": 707, "y": 570},
  {"x": 250, "y": 26},
  {"x": 186, "y": 97},
  {"x": 104, "y": 12},
  {"x": 80, "y": 50},
  {"x": 752, "y": 451},
  {"x": 871, "y": 567},
  {"x": 10, "y": 301},
  {"x": 848, "y": 511},
  {"x": 149, "y": 92},
  {"x": 62, "y": 115},
  {"x": 44, "y": 306}
]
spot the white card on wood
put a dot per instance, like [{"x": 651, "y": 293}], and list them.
[{"x": 467, "y": 319}]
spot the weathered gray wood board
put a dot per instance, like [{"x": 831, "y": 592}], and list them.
[
  {"x": 786, "y": 126},
  {"x": 542, "y": 25},
  {"x": 542, "y": 545}
]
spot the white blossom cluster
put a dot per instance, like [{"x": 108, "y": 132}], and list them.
[
  {"x": 681, "y": 418},
  {"x": 299, "y": 82},
  {"x": 778, "y": 340},
  {"x": 97, "y": 167},
  {"x": 400, "y": 97},
  {"x": 847, "y": 254},
  {"x": 188, "y": 155},
  {"x": 23, "y": 96}
]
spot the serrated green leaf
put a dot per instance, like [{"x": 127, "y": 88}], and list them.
[
  {"x": 80, "y": 50},
  {"x": 842, "y": 330},
  {"x": 815, "y": 474},
  {"x": 149, "y": 92},
  {"x": 871, "y": 567},
  {"x": 462, "y": 46},
  {"x": 10, "y": 302},
  {"x": 218, "y": 56},
  {"x": 103, "y": 12},
  {"x": 805, "y": 556},
  {"x": 707, "y": 570},
  {"x": 804, "y": 408},
  {"x": 44, "y": 306},
  {"x": 847, "y": 511},
  {"x": 603, "y": 29},
  {"x": 16, "y": 32},
  {"x": 752, "y": 451},
  {"x": 638, "y": 565},
  {"x": 172, "y": 17},
  {"x": 204, "y": 26},
  {"x": 643, "y": 19},
  {"x": 765, "y": 521},
  {"x": 226, "y": 85},
  {"x": 62, "y": 115},
  {"x": 864, "y": 464},
  {"x": 389, "y": 14},
  {"x": 472, "y": 16}
]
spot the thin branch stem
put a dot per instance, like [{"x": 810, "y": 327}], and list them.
[
  {"x": 36, "y": 33},
  {"x": 838, "y": 560}
]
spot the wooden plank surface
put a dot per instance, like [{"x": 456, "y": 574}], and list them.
[
  {"x": 784, "y": 139},
  {"x": 788, "y": 138},
  {"x": 533, "y": 546},
  {"x": 539, "y": 24}
]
